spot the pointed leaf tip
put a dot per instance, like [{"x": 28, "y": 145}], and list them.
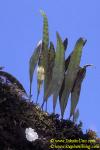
[
  {"x": 65, "y": 43},
  {"x": 83, "y": 40},
  {"x": 42, "y": 12},
  {"x": 88, "y": 65},
  {"x": 58, "y": 35}
]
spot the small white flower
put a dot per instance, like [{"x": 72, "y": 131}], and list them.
[{"x": 31, "y": 135}]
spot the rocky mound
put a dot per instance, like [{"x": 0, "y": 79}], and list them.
[{"x": 17, "y": 114}]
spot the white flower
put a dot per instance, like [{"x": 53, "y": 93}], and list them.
[{"x": 31, "y": 135}]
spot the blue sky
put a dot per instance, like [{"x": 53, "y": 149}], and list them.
[{"x": 21, "y": 29}]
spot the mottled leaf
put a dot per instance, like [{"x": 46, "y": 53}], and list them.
[
  {"x": 42, "y": 75},
  {"x": 45, "y": 29},
  {"x": 45, "y": 44},
  {"x": 71, "y": 73}
]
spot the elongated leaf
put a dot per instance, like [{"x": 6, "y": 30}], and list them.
[
  {"x": 63, "y": 84},
  {"x": 58, "y": 70},
  {"x": 13, "y": 80},
  {"x": 51, "y": 59},
  {"x": 51, "y": 56},
  {"x": 45, "y": 29},
  {"x": 50, "y": 62},
  {"x": 75, "y": 93},
  {"x": 71, "y": 73},
  {"x": 76, "y": 90},
  {"x": 33, "y": 62},
  {"x": 44, "y": 53},
  {"x": 65, "y": 43},
  {"x": 45, "y": 42},
  {"x": 43, "y": 65}
]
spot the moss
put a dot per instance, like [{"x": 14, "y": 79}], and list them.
[{"x": 17, "y": 114}]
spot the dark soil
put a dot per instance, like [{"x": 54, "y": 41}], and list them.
[{"x": 17, "y": 114}]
